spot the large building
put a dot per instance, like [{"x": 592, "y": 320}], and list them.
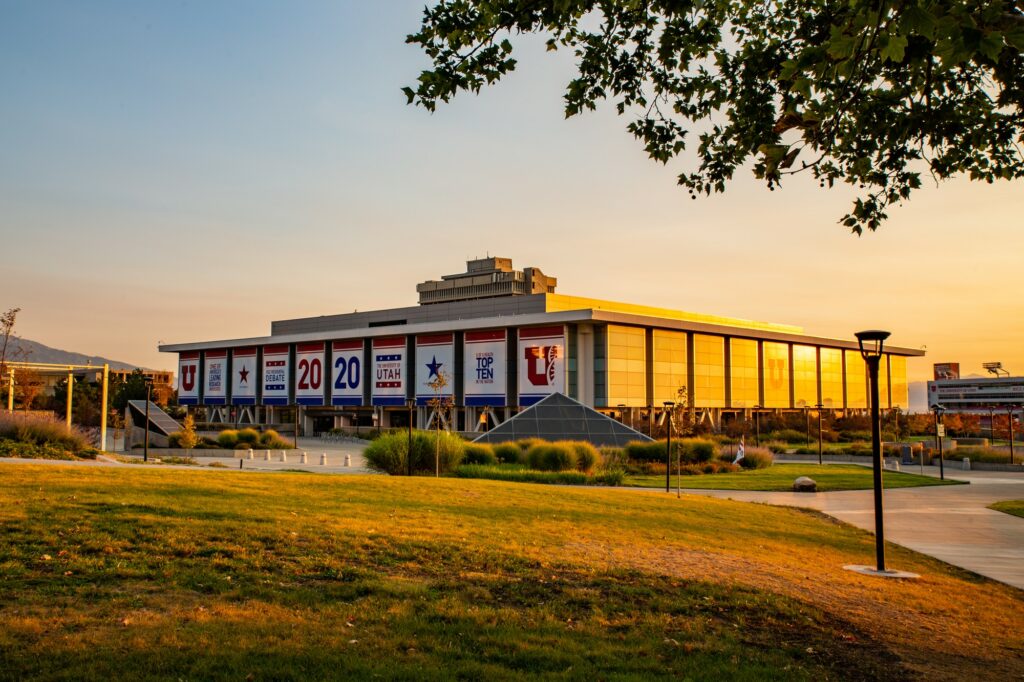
[{"x": 504, "y": 340}]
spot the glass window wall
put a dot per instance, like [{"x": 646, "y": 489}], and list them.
[
  {"x": 669, "y": 365},
  {"x": 832, "y": 378},
  {"x": 743, "y": 366},
  {"x": 627, "y": 358},
  {"x": 805, "y": 376},
  {"x": 776, "y": 374},
  {"x": 708, "y": 371}
]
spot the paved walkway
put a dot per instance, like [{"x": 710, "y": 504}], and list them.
[{"x": 947, "y": 522}]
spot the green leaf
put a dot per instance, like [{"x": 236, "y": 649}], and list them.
[
  {"x": 894, "y": 50},
  {"x": 920, "y": 21},
  {"x": 991, "y": 45}
]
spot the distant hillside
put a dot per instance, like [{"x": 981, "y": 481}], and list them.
[{"x": 38, "y": 352}]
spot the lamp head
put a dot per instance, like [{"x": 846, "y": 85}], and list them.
[
  {"x": 871, "y": 342},
  {"x": 938, "y": 409},
  {"x": 669, "y": 404}
]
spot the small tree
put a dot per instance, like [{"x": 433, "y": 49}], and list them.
[
  {"x": 188, "y": 439},
  {"x": 442, "y": 405},
  {"x": 30, "y": 383},
  {"x": 6, "y": 330}
]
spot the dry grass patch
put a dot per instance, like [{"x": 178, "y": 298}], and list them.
[{"x": 210, "y": 574}]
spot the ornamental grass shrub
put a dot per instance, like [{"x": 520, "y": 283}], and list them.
[
  {"x": 390, "y": 451},
  {"x": 521, "y": 475},
  {"x": 757, "y": 458},
  {"x": 587, "y": 456},
  {"x": 478, "y": 453},
  {"x": 508, "y": 453},
  {"x": 42, "y": 429},
  {"x": 789, "y": 436},
  {"x": 248, "y": 436},
  {"x": 227, "y": 438},
  {"x": 980, "y": 454},
  {"x": 695, "y": 450},
  {"x": 560, "y": 456}
]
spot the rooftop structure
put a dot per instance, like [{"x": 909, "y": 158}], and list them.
[
  {"x": 977, "y": 394},
  {"x": 486, "y": 278}
]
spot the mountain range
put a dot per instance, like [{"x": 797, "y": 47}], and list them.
[{"x": 33, "y": 351}]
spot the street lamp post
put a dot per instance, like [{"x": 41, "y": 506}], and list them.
[
  {"x": 149, "y": 396},
  {"x": 757, "y": 425},
  {"x": 622, "y": 413},
  {"x": 409, "y": 403},
  {"x": 807, "y": 425},
  {"x": 992, "y": 426},
  {"x": 871, "y": 350},
  {"x": 668, "y": 446},
  {"x": 820, "y": 408},
  {"x": 1009, "y": 427},
  {"x": 938, "y": 410},
  {"x": 650, "y": 421}
]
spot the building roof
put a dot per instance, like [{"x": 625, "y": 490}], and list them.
[
  {"x": 517, "y": 311},
  {"x": 559, "y": 417}
]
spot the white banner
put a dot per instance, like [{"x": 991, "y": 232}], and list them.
[
  {"x": 347, "y": 372},
  {"x": 389, "y": 371},
  {"x": 541, "y": 363},
  {"x": 309, "y": 373},
  {"x": 243, "y": 376},
  {"x": 215, "y": 371},
  {"x": 188, "y": 378},
  {"x": 435, "y": 357},
  {"x": 275, "y": 375},
  {"x": 484, "y": 368}
]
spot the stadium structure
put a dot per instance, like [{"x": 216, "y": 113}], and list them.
[{"x": 500, "y": 340}]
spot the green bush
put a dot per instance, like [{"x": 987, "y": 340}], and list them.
[
  {"x": 12, "y": 448},
  {"x": 612, "y": 457},
  {"x": 527, "y": 443},
  {"x": 389, "y": 452},
  {"x": 479, "y": 453},
  {"x": 174, "y": 440},
  {"x": 612, "y": 477},
  {"x": 248, "y": 436},
  {"x": 776, "y": 447},
  {"x": 979, "y": 454},
  {"x": 559, "y": 456},
  {"x": 508, "y": 453},
  {"x": 789, "y": 436},
  {"x": 694, "y": 450},
  {"x": 227, "y": 438},
  {"x": 854, "y": 436},
  {"x": 757, "y": 458},
  {"x": 644, "y": 451},
  {"x": 587, "y": 456}
]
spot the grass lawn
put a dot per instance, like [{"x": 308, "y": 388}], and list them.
[
  {"x": 781, "y": 477},
  {"x": 1015, "y": 507},
  {"x": 136, "y": 573}
]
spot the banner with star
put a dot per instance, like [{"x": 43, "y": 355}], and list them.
[
  {"x": 244, "y": 376},
  {"x": 435, "y": 356},
  {"x": 215, "y": 371}
]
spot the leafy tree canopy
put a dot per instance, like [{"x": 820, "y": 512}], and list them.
[{"x": 873, "y": 93}]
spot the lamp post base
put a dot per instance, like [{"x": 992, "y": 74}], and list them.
[{"x": 888, "y": 573}]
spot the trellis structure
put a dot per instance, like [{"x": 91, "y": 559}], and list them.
[{"x": 58, "y": 369}]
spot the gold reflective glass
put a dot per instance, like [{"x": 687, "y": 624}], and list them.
[
  {"x": 708, "y": 371},
  {"x": 856, "y": 380},
  {"x": 669, "y": 365},
  {"x": 898, "y": 375},
  {"x": 805, "y": 376},
  {"x": 776, "y": 374},
  {"x": 743, "y": 366},
  {"x": 627, "y": 357},
  {"x": 832, "y": 378}
]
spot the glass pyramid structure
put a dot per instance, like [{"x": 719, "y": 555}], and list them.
[{"x": 559, "y": 417}]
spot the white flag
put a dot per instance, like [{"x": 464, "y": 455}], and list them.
[{"x": 739, "y": 451}]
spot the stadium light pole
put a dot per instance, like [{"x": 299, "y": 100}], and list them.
[
  {"x": 668, "y": 446},
  {"x": 820, "y": 407},
  {"x": 871, "y": 343},
  {"x": 938, "y": 410},
  {"x": 409, "y": 403}
]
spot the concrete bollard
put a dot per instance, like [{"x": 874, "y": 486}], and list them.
[
  {"x": 323, "y": 459},
  {"x": 303, "y": 457},
  {"x": 895, "y": 465},
  {"x": 266, "y": 456},
  {"x": 250, "y": 454},
  {"x": 284, "y": 456},
  {"x": 348, "y": 460},
  {"x": 967, "y": 463}
]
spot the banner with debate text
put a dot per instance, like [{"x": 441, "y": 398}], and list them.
[{"x": 275, "y": 375}]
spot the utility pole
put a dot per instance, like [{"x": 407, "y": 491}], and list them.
[{"x": 71, "y": 387}]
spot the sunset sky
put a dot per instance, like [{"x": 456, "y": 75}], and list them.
[{"x": 178, "y": 172}]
